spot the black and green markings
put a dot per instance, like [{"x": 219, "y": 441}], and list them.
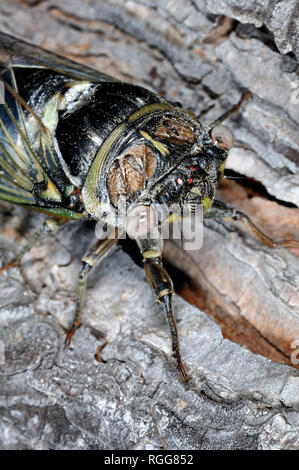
[{"x": 74, "y": 141}]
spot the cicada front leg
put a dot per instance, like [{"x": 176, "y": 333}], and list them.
[
  {"x": 151, "y": 250},
  {"x": 225, "y": 213},
  {"x": 94, "y": 255},
  {"x": 50, "y": 226}
]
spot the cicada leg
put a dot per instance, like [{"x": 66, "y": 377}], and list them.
[
  {"x": 50, "y": 225},
  {"x": 94, "y": 255},
  {"x": 234, "y": 109},
  {"x": 151, "y": 250},
  {"x": 227, "y": 214}
]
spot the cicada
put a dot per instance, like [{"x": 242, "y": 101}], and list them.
[{"x": 73, "y": 141}]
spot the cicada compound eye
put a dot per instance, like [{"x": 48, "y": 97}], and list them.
[{"x": 223, "y": 137}]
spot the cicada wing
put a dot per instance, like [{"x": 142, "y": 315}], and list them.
[
  {"x": 18, "y": 53},
  {"x": 11, "y": 193},
  {"x": 29, "y": 168},
  {"x": 36, "y": 83}
]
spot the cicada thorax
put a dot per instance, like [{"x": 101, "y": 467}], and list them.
[{"x": 83, "y": 128}]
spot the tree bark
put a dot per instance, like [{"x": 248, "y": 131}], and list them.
[{"x": 118, "y": 388}]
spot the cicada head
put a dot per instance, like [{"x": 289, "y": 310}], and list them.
[
  {"x": 194, "y": 158},
  {"x": 202, "y": 171},
  {"x": 165, "y": 160}
]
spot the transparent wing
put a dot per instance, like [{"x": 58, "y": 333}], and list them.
[
  {"x": 19, "y": 53},
  {"x": 30, "y": 169}
]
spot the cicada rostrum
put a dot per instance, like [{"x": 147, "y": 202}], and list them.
[{"x": 73, "y": 141}]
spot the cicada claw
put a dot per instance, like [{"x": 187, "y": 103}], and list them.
[
  {"x": 69, "y": 335},
  {"x": 12, "y": 264}
]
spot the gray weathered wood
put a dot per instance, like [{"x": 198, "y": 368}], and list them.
[{"x": 134, "y": 399}]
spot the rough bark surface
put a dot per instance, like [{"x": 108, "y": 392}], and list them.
[{"x": 118, "y": 388}]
